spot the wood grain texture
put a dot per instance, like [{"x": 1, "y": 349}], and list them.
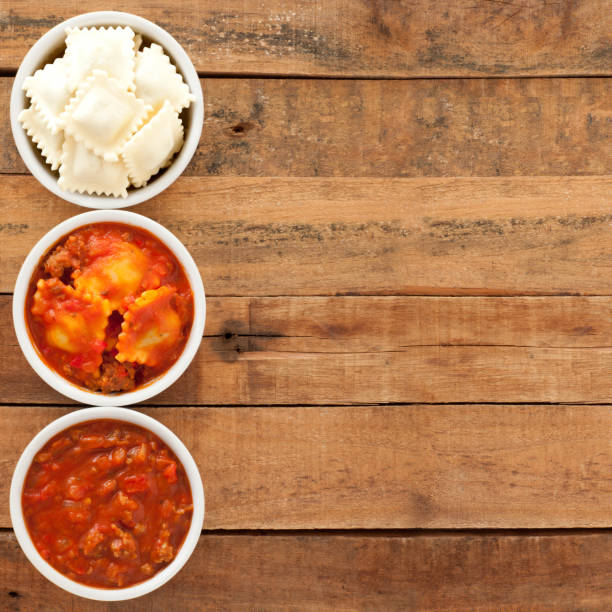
[
  {"x": 321, "y": 572},
  {"x": 541, "y": 235},
  {"x": 353, "y": 38},
  {"x": 456, "y": 127},
  {"x": 346, "y": 467},
  {"x": 279, "y": 351}
]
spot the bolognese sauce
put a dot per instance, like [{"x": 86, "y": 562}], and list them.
[
  {"x": 107, "y": 503},
  {"x": 109, "y": 307}
]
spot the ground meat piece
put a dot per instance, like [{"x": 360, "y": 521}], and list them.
[
  {"x": 92, "y": 539},
  {"x": 115, "y": 376},
  {"x": 113, "y": 573},
  {"x": 162, "y": 549},
  {"x": 124, "y": 546},
  {"x": 124, "y": 501},
  {"x": 68, "y": 255},
  {"x": 183, "y": 307}
]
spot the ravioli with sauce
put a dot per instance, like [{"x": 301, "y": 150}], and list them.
[
  {"x": 75, "y": 322},
  {"x": 151, "y": 327},
  {"x": 109, "y": 307},
  {"x": 116, "y": 276}
]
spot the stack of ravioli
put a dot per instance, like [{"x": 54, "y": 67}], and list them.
[{"x": 106, "y": 114}]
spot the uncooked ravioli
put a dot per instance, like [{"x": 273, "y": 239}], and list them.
[{"x": 151, "y": 328}]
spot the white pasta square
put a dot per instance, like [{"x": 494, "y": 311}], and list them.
[
  {"x": 109, "y": 49},
  {"x": 83, "y": 171},
  {"x": 107, "y": 113},
  {"x": 37, "y": 129},
  {"x": 103, "y": 115},
  {"x": 154, "y": 145},
  {"x": 156, "y": 80},
  {"x": 49, "y": 91}
]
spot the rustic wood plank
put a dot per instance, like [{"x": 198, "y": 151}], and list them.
[
  {"x": 456, "y": 127},
  {"x": 451, "y": 466},
  {"x": 10, "y": 160},
  {"x": 348, "y": 37},
  {"x": 433, "y": 374},
  {"x": 279, "y": 351},
  {"x": 541, "y": 235},
  {"x": 334, "y": 572}
]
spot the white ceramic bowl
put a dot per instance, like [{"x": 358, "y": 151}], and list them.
[
  {"x": 51, "y": 46},
  {"x": 64, "y": 386},
  {"x": 119, "y": 414}
]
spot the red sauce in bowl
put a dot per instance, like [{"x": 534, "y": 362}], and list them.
[
  {"x": 107, "y": 503},
  {"x": 109, "y": 307}
]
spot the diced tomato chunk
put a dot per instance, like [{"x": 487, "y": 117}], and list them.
[
  {"x": 107, "y": 487},
  {"x": 32, "y": 496},
  {"x": 138, "y": 454},
  {"x": 98, "y": 345},
  {"x": 78, "y": 565},
  {"x": 102, "y": 463},
  {"x": 77, "y": 361},
  {"x": 49, "y": 490},
  {"x": 170, "y": 473},
  {"x": 167, "y": 509},
  {"x": 118, "y": 456},
  {"x": 77, "y": 515},
  {"x": 72, "y": 305},
  {"x": 161, "y": 461},
  {"x": 60, "y": 445},
  {"x": 160, "y": 268},
  {"x": 92, "y": 441},
  {"x": 43, "y": 549},
  {"x": 135, "y": 483},
  {"x": 62, "y": 544},
  {"x": 76, "y": 492}
]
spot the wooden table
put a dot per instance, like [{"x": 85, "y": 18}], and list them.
[{"x": 402, "y": 214}]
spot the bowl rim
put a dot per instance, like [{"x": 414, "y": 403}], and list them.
[
  {"x": 31, "y": 62},
  {"x": 52, "y": 378},
  {"x": 120, "y": 414}
]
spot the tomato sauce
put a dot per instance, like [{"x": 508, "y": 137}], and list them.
[
  {"x": 107, "y": 503},
  {"x": 109, "y": 307}
]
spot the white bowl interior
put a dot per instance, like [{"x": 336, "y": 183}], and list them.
[
  {"x": 52, "y": 45},
  {"x": 119, "y": 414},
  {"x": 64, "y": 386}
]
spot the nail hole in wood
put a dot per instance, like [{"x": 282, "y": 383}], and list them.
[
  {"x": 14, "y": 594},
  {"x": 241, "y": 128}
]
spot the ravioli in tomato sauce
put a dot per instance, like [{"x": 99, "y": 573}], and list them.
[{"x": 109, "y": 307}]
